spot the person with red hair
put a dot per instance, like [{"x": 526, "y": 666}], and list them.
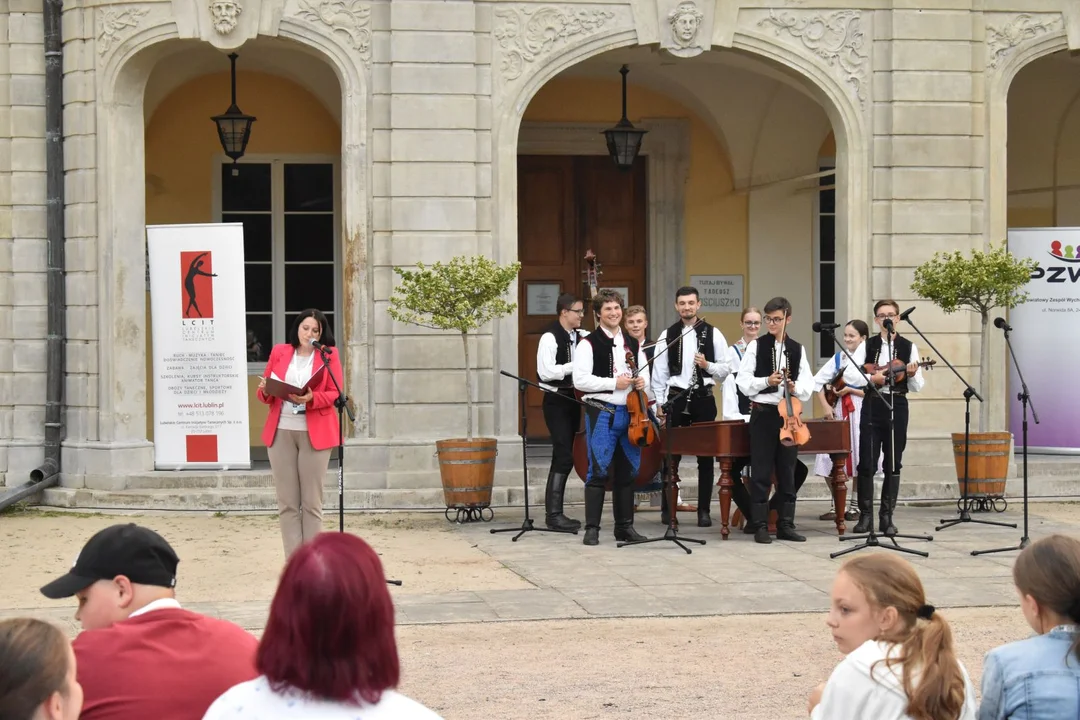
[{"x": 328, "y": 650}]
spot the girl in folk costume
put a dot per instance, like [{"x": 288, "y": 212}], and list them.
[
  {"x": 849, "y": 400},
  {"x": 900, "y": 663},
  {"x": 736, "y": 406}
]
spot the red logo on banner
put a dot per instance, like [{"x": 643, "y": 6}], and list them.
[
  {"x": 196, "y": 284},
  {"x": 202, "y": 448}
]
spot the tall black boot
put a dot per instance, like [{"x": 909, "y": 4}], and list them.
[
  {"x": 890, "y": 489},
  {"x": 594, "y": 510},
  {"x": 759, "y": 515},
  {"x": 785, "y": 526},
  {"x": 622, "y": 501},
  {"x": 865, "y": 491},
  {"x": 704, "y": 501},
  {"x": 553, "y": 504}
]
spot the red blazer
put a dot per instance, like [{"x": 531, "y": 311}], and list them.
[{"x": 322, "y": 420}]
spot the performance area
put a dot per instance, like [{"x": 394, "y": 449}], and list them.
[{"x": 547, "y": 628}]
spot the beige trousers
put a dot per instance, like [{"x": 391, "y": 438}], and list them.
[{"x": 299, "y": 472}]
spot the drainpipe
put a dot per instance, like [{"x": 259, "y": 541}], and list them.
[{"x": 48, "y": 473}]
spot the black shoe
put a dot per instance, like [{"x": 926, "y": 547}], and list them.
[
  {"x": 865, "y": 490},
  {"x": 704, "y": 519},
  {"x": 594, "y": 510},
  {"x": 889, "y": 491},
  {"x": 629, "y": 534},
  {"x": 592, "y": 536},
  {"x": 704, "y": 501},
  {"x": 553, "y": 504},
  {"x": 785, "y": 528},
  {"x": 622, "y": 502},
  {"x": 760, "y": 519}
]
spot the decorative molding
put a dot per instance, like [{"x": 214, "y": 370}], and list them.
[
  {"x": 112, "y": 22},
  {"x": 837, "y": 39},
  {"x": 1002, "y": 40},
  {"x": 350, "y": 17},
  {"x": 225, "y": 14},
  {"x": 525, "y": 34},
  {"x": 687, "y": 29}
]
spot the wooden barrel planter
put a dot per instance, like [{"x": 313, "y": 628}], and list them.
[
  {"x": 988, "y": 463},
  {"x": 467, "y": 468}
]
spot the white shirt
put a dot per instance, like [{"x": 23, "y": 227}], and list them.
[
  {"x": 914, "y": 382},
  {"x": 299, "y": 372},
  {"x": 852, "y": 694},
  {"x": 603, "y": 389},
  {"x": 731, "y": 392},
  {"x": 752, "y": 386},
  {"x": 852, "y": 377},
  {"x": 546, "y": 353},
  {"x": 662, "y": 379},
  {"x": 256, "y": 700},
  {"x": 160, "y": 604}
]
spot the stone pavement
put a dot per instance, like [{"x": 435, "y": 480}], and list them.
[{"x": 720, "y": 578}]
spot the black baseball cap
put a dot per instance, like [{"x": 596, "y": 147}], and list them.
[{"x": 136, "y": 552}]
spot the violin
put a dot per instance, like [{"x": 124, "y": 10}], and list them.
[
  {"x": 897, "y": 368},
  {"x": 642, "y": 431},
  {"x": 792, "y": 430},
  {"x": 837, "y": 383},
  {"x": 592, "y": 278}
]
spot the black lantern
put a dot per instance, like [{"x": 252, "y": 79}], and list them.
[
  {"x": 624, "y": 140},
  {"x": 233, "y": 126}
]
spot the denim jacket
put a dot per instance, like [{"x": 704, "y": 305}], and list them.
[{"x": 1033, "y": 679}]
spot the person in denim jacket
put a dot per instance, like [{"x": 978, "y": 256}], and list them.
[{"x": 1039, "y": 678}]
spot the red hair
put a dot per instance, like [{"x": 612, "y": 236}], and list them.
[{"x": 331, "y": 628}]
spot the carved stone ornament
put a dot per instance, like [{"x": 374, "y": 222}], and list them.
[
  {"x": 225, "y": 14},
  {"x": 112, "y": 23},
  {"x": 837, "y": 39},
  {"x": 524, "y": 34},
  {"x": 1001, "y": 40},
  {"x": 349, "y": 17},
  {"x": 686, "y": 29}
]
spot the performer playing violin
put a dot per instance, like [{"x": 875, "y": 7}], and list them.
[
  {"x": 602, "y": 374},
  {"x": 769, "y": 361},
  {"x": 875, "y": 436},
  {"x": 696, "y": 358}
]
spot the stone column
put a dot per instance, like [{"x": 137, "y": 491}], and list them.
[
  {"x": 928, "y": 175},
  {"x": 6, "y": 244}
]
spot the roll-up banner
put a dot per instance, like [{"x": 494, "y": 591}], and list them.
[
  {"x": 1046, "y": 339},
  {"x": 197, "y": 305}
]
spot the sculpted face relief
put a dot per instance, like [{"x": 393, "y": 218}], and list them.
[{"x": 226, "y": 13}]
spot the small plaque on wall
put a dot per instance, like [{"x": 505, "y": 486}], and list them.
[
  {"x": 719, "y": 293},
  {"x": 541, "y": 298}
]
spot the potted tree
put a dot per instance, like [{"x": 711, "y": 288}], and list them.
[
  {"x": 463, "y": 295},
  {"x": 980, "y": 282}
]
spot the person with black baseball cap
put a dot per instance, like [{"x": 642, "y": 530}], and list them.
[{"x": 140, "y": 653}]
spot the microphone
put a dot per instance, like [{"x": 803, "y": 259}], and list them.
[
  {"x": 888, "y": 325},
  {"x": 318, "y": 345},
  {"x": 904, "y": 315},
  {"x": 824, "y": 327},
  {"x": 1000, "y": 323}
]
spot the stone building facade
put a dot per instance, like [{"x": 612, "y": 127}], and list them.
[{"x": 433, "y": 103}]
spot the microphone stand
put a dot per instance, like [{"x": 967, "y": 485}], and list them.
[
  {"x": 871, "y": 538},
  {"x": 342, "y": 405},
  {"x": 1025, "y": 400},
  {"x": 527, "y": 524},
  {"x": 969, "y": 392},
  {"x": 670, "y": 490}
]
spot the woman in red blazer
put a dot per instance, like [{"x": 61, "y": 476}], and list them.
[{"x": 300, "y": 432}]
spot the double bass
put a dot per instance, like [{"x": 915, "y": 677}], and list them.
[
  {"x": 793, "y": 431},
  {"x": 592, "y": 280}
]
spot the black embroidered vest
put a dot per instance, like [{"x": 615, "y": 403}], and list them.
[
  {"x": 563, "y": 342},
  {"x": 649, "y": 349},
  {"x": 744, "y": 401},
  {"x": 603, "y": 357},
  {"x": 675, "y": 336},
  {"x": 766, "y": 357},
  {"x": 901, "y": 349}
]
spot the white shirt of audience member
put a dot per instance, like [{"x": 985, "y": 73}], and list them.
[{"x": 256, "y": 700}]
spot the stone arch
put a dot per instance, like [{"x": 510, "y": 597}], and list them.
[
  {"x": 850, "y": 125},
  {"x": 121, "y": 163}
]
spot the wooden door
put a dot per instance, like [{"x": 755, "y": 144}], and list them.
[{"x": 566, "y": 206}]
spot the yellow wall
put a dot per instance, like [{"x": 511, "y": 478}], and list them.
[
  {"x": 715, "y": 219},
  {"x": 182, "y": 146}
]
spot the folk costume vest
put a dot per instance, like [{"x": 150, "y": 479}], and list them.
[
  {"x": 766, "y": 359},
  {"x": 676, "y": 334},
  {"x": 901, "y": 348},
  {"x": 564, "y": 341},
  {"x": 744, "y": 401},
  {"x": 603, "y": 358}
]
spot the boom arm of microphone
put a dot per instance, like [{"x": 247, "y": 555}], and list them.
[
  {"x": 668, "y": 344},
  {"x": 904, "y": 315}
]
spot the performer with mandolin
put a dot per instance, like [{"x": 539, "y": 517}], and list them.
[
  {"x": 611, "y": 369},
  {"x": 887, "y": 354},
  {"x": 696, "y": 359},
  {"x": 776, "y": 376},
  {"x": 555, "y": 370}
]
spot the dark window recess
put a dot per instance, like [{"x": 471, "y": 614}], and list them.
[
  {"x": 309, "y": 238},
  {"x": 309, "y": 286},
  {"x": 258, "y": 235},
  {"x": 248, "y": 190},
  {"x": 828, "y": 345},
  {"x": 828, "y": 197},
  {"x": 827, "y": 285},
  {"x": 260, "y": 336},
  {"x": 259, "y": 286},
  {"x": 309, "y": 188},
  {"x": 827, "y": 236}
]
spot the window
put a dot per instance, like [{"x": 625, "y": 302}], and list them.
[
  {"x": 825, "y": 252},
  {"x": 290, "y": 243}
]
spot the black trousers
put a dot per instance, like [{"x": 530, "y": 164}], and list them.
[
  {"x": 702, "y": 409},
  {"x": 563, "y": 418},
  {"x": 768, "y": 455},
  {"x": 874, "y": 435}
]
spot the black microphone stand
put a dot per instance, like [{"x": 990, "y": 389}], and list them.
[
  {"x": 342, "y": 405},
  {"x": 1025, "y": 400},
  {"x": 670, "y": 490},
  {"x": 871, "y": 538},
  {"x": 969, "y": 392},
  {"x": 527, "y": 524}
]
